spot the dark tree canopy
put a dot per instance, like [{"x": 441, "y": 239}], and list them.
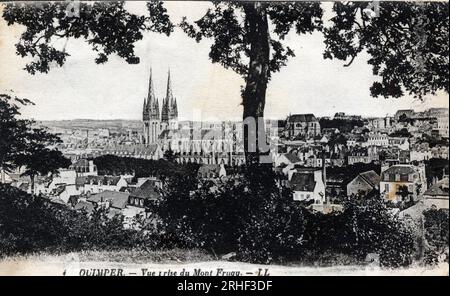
[
  {"x": 407, "y": 43},
  {"x": 228, "y": 24},
  {"x": 23, "y": 144},
  {"x": 107, "y": 26},
  {"x": 12, "y": 130}
]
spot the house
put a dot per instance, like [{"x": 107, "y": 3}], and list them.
[
  {"x": 399, "y": 142},
  {"x": 437, "y": 195},
  {"x": 308, "y": 184},
  {"x": 440, "y": 151},
  {"x": 403, "y": 182},
  {"x": 359, "y": 155},
  {"x": 114, "y": 201},
  {"x": 314, "y": 161},
  {"x": 145, "y": 194},
  {"x": 302, "y": 125},
  {"x": 378, "y": 139},
  {"x": 287, "y": 159},
  {"x": 419, "y": 153},
  {"x": 84, "y": 167},
  {"x": 96, "y": 184},
  {"x": 363, "y": 184}
]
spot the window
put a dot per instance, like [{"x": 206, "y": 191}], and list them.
[
  {"x": 386, "y": 187},
  {"x": 397, "y": 177}
]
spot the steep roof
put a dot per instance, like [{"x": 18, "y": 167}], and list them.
[
  {"x": 118, "y": 200},
  {"x": 400, "y": 169},
  {"x": 371, "y": 177},
  {"x": 83, "y": 205},
  {"x": 302, "y": 118},
  {"x": 303, "y": 182},
  {"x": 147, "y": 190},
  {"x": 112, "y": 180},
  {"x": 292, "y": 157}
]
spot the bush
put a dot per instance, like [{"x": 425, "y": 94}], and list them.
[
  {"x": 436, "y": 226},
  {"x": 254, "y": 217},
  {"x": 32, "y": 224}
]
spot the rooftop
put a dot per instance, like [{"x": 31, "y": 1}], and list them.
[
  {"x": 302, "y": 118},
  {"x": 303, "y": 182},
  {"x": 147, "y": 190},
  {"x": 118, "y": 200}
]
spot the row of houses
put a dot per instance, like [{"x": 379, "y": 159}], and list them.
[{"x": 397, "y": 182}]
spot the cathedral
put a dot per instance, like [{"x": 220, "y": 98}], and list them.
[
  {"x": 195, "y": 142},
  {"x": 155, "y": 123}
]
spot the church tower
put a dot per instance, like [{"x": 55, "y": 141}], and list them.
[
  {"x": 169, "y": 113},
  {"x": 150, "y": 115}
]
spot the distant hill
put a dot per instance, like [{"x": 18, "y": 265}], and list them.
[{"x": 114, "y": 124}]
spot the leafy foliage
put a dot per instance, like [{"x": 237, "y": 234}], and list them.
[
  {"x": 343, "y": 125},
  {"x": 407, "y": 43},
  {"x": 259, "y": 220},
  {"x": 401, "y": 133},
  {"x": 115, "y": 165},
  {"x": 107, "y": 26},
  {"x": 33, "y": 224},
  {"x": 13, "y": 131},
  {"x": 228, "y": 24},
  {"x": 436, "y": 227},
  {"x": 435, "y": 168},
  {"x": 21, "y": 144},
  {"x": 349, "y": 172}
]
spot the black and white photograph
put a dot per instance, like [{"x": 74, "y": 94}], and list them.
[{"x": 250, "y": 139}]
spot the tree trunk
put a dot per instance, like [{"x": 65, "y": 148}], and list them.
[
  {"x": 32, "y": 184},
  {"x": 254, "y": 94},
  {"x": 2, "y": 175}
]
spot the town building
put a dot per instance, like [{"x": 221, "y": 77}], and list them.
[
  {"x": 403, "y": 182},
  {"x": 364, "y": 184},
  {"x": 302, "y": 126},
  {"x": 84, "y": 167},
  {"x": 438, "y": 194},
  {"x": 308, "y": 184},
  {"x": 156, "y": 121}
]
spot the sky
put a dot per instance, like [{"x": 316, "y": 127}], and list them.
[{"x": 82, "y": 89}]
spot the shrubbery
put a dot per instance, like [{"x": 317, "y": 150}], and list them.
[
  {"x": 33, "y": 224},
  {"x": 250, "y": 215},
  {"x": 256, "y": 218},
  {"x": 115, "y": 165},
  {"x": 436, "y": 226}
]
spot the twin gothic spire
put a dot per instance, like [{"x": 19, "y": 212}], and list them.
[{"x": 151, "y": 103}]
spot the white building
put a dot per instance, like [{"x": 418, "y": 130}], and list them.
[
  {"x": 308, "y": 185},
  {"x": 378, "y": 139},
  {"x": 403, "y": 182}
]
